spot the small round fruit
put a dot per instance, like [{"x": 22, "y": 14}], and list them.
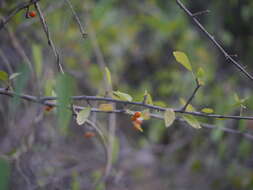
[
  {"x": 89, "y": 134},
  {"x": 137, "y": 114},
  {"x": 139, "y": 121},
  {"x": 32, "y": 14},
  {"x": 48, "y": 108}
]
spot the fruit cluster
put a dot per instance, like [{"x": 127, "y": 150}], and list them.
[{"x": 137, "y": 121}]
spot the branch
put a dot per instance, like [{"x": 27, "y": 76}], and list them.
[
  {"x": 45, "y": 101},
  {"x": 122, "y": 111},
  {"x": 15, "y": 10},
  {"x": 210, "y": 37},
  {"x": 49, "y": 39}
]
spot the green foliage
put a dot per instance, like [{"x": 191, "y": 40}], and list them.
[
  {"x": 108, "y": 77},
  {"x": 83, "y": 115},
  {"x": 75, "y": 184},
  {"x": 5, "y": 171},
  {"x": 182, "y": 58},
  {"x": 207, "y": 110},
  {"x": 122, "y": 96},
  {"x": 147, "y": 98},
  {"x": 201, "y": 76},
  {"x": 20, "y": 84},
  {"x": 169, "y": 117},
  {"x": 37, "y": 57},
  {"x": 64, "y": 89},
  {"x": 4, "y": 76},
  {"x": 192, "y": 121}
]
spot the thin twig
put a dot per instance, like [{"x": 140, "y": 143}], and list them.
[
  {"x": 81, "y": 28},
  {"x": 217, "y": 44},
  {"x": 20, "y": 50},
  {"x": 200, "y": 13},
  {"x": 192, "y": 96},
  {"x": 48, "y": 35}
]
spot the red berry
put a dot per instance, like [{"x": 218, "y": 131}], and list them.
[
  {"x": 32, "y": 14},
  {"x": 139, "y": 120},
  {"x": 48, "y": 108},
  {"x": 137, "y": 114},
  {"x": 89, "y": 134}
]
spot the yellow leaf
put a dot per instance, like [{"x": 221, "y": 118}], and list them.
[
  {"x": 82, "y": 116},
  {"x": 192, "y": 121},
  {"x": 207, "y": 110},
  {"x": 169, "y": 117},
  {"x": 189, "y": 107},
  {"x": 106, "y": 107},
  {"x": 108, "y": 76},
  {"x": 182, "y": 58},
  {"x": 4, "y": 76},
  {"x": 147, "y": 98},
  {"x": 122, "y": 96}
]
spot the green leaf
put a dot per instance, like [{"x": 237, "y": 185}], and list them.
[
  {"x": 83, "y": 115},
  {"x": 37, "y": 57},
  {"x": 236, "y": 97},
  {"x": 169, "y": 117},
  {"x": 4, "y": 76},
  {"x": 192, "y": 121},
  {"x": 108, "y": 76},
  {"x": 189, "y": 106},
  {"x": 182, "y": 58},
  {"x": 207, "y": 110},
  {"x": 147, "y": 98},
  {"x": 5, "y": 174},
  {"x": 122, "y": 96},
  {"x": 14, "y": 75},
  {"x": 200, "y": 76},
  {"x": 64, "y": 90},
  {"x": 160, "y": 103}
]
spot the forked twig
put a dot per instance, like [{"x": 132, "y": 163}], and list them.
[{"x": 215, "y": 42}]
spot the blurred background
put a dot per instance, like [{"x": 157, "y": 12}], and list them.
[{"x": 136, "y": 40}]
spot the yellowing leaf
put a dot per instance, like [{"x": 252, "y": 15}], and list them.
[
  {"x": 83, "y": 115},
  {"x": 192, "y": 121},
  {"x": 108, "y": 76},
  {"x": 182, "y": 58},
  {"x": 145, "y": 114},
  {"x": 106, "y": 107},
  {"x": 147, "y": 98},
  {"x": 161, "y": 104},
  {"x": 207, "y": 110},
  {"x": 189, "y": 107},
  {"x": 122, "y": 96},
  {"x": 236, "y": 97},
  {"x": 169, "y": 117},
  {"x": 201, "y": 75},
  {"x": 4, "y": 76},
  {"x": 14, "y": 75}
]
